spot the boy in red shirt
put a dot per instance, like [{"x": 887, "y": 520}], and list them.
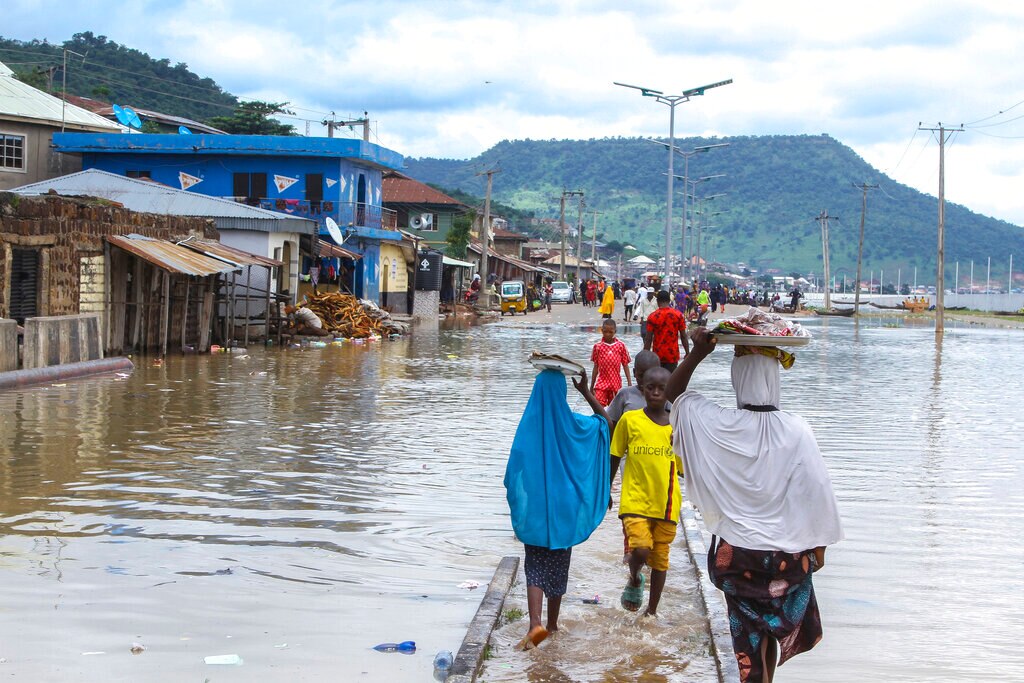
[
  {"x": 609, "y": 355},
  {"x": 666, "y": 327}
]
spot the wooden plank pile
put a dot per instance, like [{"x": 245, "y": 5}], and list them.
[{"x": 347, "y": 316}]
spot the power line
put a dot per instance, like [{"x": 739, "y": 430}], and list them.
[{"x": 992, "y": 116}]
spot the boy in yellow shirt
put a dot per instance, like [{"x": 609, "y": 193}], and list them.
[{"x": 650, "y": 499}]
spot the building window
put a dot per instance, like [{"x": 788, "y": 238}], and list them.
[
  {"x": 139, "y": 174},
  {"x": 250, "y": 187},
  {"x": 12, "y": 152}
]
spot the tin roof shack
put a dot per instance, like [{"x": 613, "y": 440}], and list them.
[
  {"x": 306, "y": 177},
  {"x": 65, "y": 256},
  {"x": 269, "y": 240},
  {"x": 28, "y": 119},
  {"x": 508, "y": 242}
]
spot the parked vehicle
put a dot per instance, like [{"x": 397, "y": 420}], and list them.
[
  {"x": 513, "y": 297},
  {"x": 560, "y": 292}
]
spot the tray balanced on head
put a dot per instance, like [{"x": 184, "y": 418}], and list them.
[{"x": 551, "y": 361}]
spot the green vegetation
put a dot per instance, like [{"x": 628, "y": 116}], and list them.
[
  {"x": 513, "y": 614},
  {"x": 253, "y": 118},
  {"x": 115, "y": 73},
  {"x": 458, "y": 236},
  {"x": 774, "y": 187},
  {"x": 518, "y": 219}
]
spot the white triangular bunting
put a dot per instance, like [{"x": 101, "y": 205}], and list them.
[
  {"x": 187, "y": 180},
  {"x": 344, "y": 183},
  {"x": 331, "y": 182},
  {"x": 284, "y": 182}
]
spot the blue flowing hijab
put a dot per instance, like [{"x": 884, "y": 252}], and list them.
[{"x": 557, "y": 475}]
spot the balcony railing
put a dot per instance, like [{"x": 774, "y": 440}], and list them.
[{"x": 346, "y": 214}]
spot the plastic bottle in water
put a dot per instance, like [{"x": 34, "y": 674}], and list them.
[
  {"x": 442, "y": 665},
  {"x": 405, "y": 647}
]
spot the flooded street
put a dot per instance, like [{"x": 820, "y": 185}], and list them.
[{"x": 297, "y": 507}]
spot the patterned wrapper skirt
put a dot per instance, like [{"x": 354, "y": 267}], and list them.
[
  {"x": 768, "y": 593},
  {"x": 548, "y": 569}
]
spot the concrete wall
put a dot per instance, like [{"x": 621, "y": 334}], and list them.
[
  {"x": 41, "y": 160},
  {"x": 8, "y": 345},
  {"x": 56, "y": 340},
  {"x": 340, "y": 176}
]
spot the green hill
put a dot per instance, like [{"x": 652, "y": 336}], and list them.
[
  {"x": 775, "y": 186},
  {"x": 115, "y": 73}
]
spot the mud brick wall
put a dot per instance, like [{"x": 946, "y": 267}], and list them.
[{"x": 65, "y": 229}]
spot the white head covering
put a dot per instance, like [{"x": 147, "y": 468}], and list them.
[{"x": 758, "y": 478}]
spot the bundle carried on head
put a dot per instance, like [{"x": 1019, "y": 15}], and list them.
[
  {"x": 756, "y": 321},
  {"x": 749, "y": 331}
]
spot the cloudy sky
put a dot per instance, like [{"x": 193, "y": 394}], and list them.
[{"x": 450, "y": 79}]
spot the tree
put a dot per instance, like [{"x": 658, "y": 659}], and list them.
[
  {"x": 458, "y": 235},
  {"x": 253, "y": 118},
  {"x": 37, "y": 78}
]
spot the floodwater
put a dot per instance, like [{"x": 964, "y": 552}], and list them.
[{"x": 297, "y": 507}]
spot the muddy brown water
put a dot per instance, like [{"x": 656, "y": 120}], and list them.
[{"x": 297, "y": 507}]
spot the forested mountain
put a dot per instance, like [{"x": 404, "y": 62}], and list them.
[
  {"x": 115, "y": 73},
  {"x": 774, "y": 187}
]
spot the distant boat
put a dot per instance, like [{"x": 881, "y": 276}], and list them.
[
  {"x": 838, "y": 312},
  {"x": 887, "y": 308}
]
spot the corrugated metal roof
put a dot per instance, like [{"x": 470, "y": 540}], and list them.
[
  {"x": 170, "y": 257},
  {"x": 106, "y": 110},
  {"x": 399, "y": 189},
  {"x": 21, "y": 101},
  {"x": 150, "y": 197},
  {"x": 223, "y": 252},
  {"x": 334, "y": 251}
]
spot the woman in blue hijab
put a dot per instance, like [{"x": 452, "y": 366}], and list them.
[{"x": 557, "y": 484}]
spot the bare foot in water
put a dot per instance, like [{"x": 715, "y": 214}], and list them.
[{"x": 533, "y": 638}]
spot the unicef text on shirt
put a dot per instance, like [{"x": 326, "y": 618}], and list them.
[{"x": 664, "y": 451}]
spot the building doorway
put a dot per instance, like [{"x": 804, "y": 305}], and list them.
[{"x": 25, "y": 280}]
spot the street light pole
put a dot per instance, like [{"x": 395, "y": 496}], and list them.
[{"x": 671, "y": 101}]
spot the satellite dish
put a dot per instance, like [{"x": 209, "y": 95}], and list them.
[
  {"x": 133, "y": 119},
  {"x": 121, "y": 115},
  {"x": 335, "y": 231},
  {"x": 182, "y": 130}
]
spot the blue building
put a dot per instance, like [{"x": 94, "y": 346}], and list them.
[{"x": 307, "y": 177}]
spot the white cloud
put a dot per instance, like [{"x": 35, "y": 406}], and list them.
[{"x": 865, "y": 73}]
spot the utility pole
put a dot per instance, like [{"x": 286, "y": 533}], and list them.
[
  {"x": 64, "y": 86},
  {"x": 561, "y": 223},
  {"x": 484, "y": 299},
  {"x": 823, "y": 218},
  {"x": 940, "y": 281},
  {"x": 593, "y": 240},
  {"x": 579, "y": 235},
  {"x": 364, "y": 122},
  {"x": 860, "y": 245}
]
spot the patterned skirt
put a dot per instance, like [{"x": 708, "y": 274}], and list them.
[
  {"x": 768, "y": 593},
  {"x": 548, "y": 569}
]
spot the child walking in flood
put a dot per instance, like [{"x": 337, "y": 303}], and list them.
[
  {"x": 610, "y": 358},
  {"x": 650, "y": 499}
]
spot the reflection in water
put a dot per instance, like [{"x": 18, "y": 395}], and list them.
[{"x": 297, "y": 507}]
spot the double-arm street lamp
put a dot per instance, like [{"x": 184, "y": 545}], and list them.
[
  {"x": 691, "y": 192},
  {"x": 671, "y": 101}
]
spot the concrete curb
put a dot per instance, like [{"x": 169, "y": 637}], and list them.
[
  {"x": 714, "y": 603},
  {"x": 470, "y": 657}
]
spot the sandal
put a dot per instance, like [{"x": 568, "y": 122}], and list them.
[
  {"x": 535, "y": 637},
  {"x": 633, "y": 596}
]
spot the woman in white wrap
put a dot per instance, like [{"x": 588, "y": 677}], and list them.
[{"x": 758, "y": 478}]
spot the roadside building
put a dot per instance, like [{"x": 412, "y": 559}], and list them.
[
  {"x": 421, "y": 210},
  {"x": 62, "y": 256},
  {"x": 28, "y": 119},
  {"x": 508, "y": 242},
  {"x": 314, "y": 178}
]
